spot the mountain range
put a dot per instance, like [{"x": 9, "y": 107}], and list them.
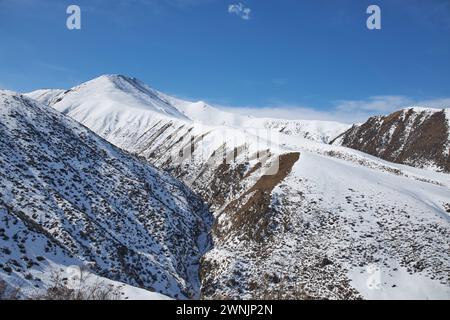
[{"x": 189, "y": 201}]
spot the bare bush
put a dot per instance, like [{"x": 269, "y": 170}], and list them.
[{"x": 80, "y": 286}]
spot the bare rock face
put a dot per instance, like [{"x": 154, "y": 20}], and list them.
[{"x": 416, "y": 137}]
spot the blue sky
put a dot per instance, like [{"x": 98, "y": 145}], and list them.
[{"x": 309, "y": 59}]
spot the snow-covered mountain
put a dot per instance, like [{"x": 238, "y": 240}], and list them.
[
  {"x": 322, "y": 131},
  {"x": 418, "y": 137},
  {"x": 295, "y": 217},
  {"x": 144, "y": 105},
  {"x": 68, "y": 197},
  {"x": 45, "y": 96}
]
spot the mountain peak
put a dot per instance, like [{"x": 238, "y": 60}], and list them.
[
  {"x": 120, "y": 94},
  {"x": 115, "y": 77},
  {"x": 118, "y": 80}
]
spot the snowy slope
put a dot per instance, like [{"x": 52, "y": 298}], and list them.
[
  {"x": 117, "y": 108},
  {"x": 67, "y": 197},
  {"x": 313, "y": 228},
  {"x": 72, "y": 275},
  {"x": 205, "y": 113},
  {"x": 323, "y": 131},
  {"x": 315, "y": 130},
  {"x": 338, "y": 215},
  {"x": 116, "y": 92},
  {"x": 392, "y": 221},
  {"x": 45, "y": 96}
]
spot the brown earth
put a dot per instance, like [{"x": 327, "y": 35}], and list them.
[
  {"x": 417, "y": 139},
  {"x": 251, "y": 211}
]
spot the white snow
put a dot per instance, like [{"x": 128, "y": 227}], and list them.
[
  {"x": 396, "y": 283},
  {"x": 72, "y": 273},
  {"x": 45, "y": 96},
  {"x": 323, "y": 131},
  {"x": 422, "y": 109}
]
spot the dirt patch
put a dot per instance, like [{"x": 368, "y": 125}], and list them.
[{"x": 251, "y": 212}]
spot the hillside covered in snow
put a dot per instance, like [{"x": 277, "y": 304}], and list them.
[{"x": 69, "y": 198}]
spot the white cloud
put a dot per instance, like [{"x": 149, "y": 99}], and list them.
[
  {"x": 347, "y": 111},
  {"x": 436, "y": 103},
  {"x": 240, "y": 10},
  {"x": 382, "y": 104},
  {"x": 387, "y": 104}
]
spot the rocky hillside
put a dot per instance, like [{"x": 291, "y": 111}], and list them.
[
  {"x": 294, "y": 216},
  {"x": 68, "y": 197},
  {"x": 417, "y": 137}
]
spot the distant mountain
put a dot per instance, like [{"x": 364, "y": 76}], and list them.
[
  {"x": 321, "y": 131},
  {"x": 46, "y": 96},
  {"x": 110, "y": 93},
  {"x": 418, "y": 137},
  {"x": 68, "y": 197},
  {"x": 295, "y": 217}
]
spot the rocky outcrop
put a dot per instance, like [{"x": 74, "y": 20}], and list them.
[{"x": 416, "y": 137}]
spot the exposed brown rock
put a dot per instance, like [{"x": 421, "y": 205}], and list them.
[
  {"x": 412, "y": 137},
  {"x": 251, "y": 211}
]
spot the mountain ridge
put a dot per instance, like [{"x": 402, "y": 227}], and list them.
[
  {"x": 418, "y": 137},
  {"x": 196, "y": 111}
]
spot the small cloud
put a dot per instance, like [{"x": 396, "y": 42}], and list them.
[{"x": 240, "y": 10}]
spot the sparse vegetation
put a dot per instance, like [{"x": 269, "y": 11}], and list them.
[
  {"x": 7, "y": 292},
  {"x": 81, "y": 286}
]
